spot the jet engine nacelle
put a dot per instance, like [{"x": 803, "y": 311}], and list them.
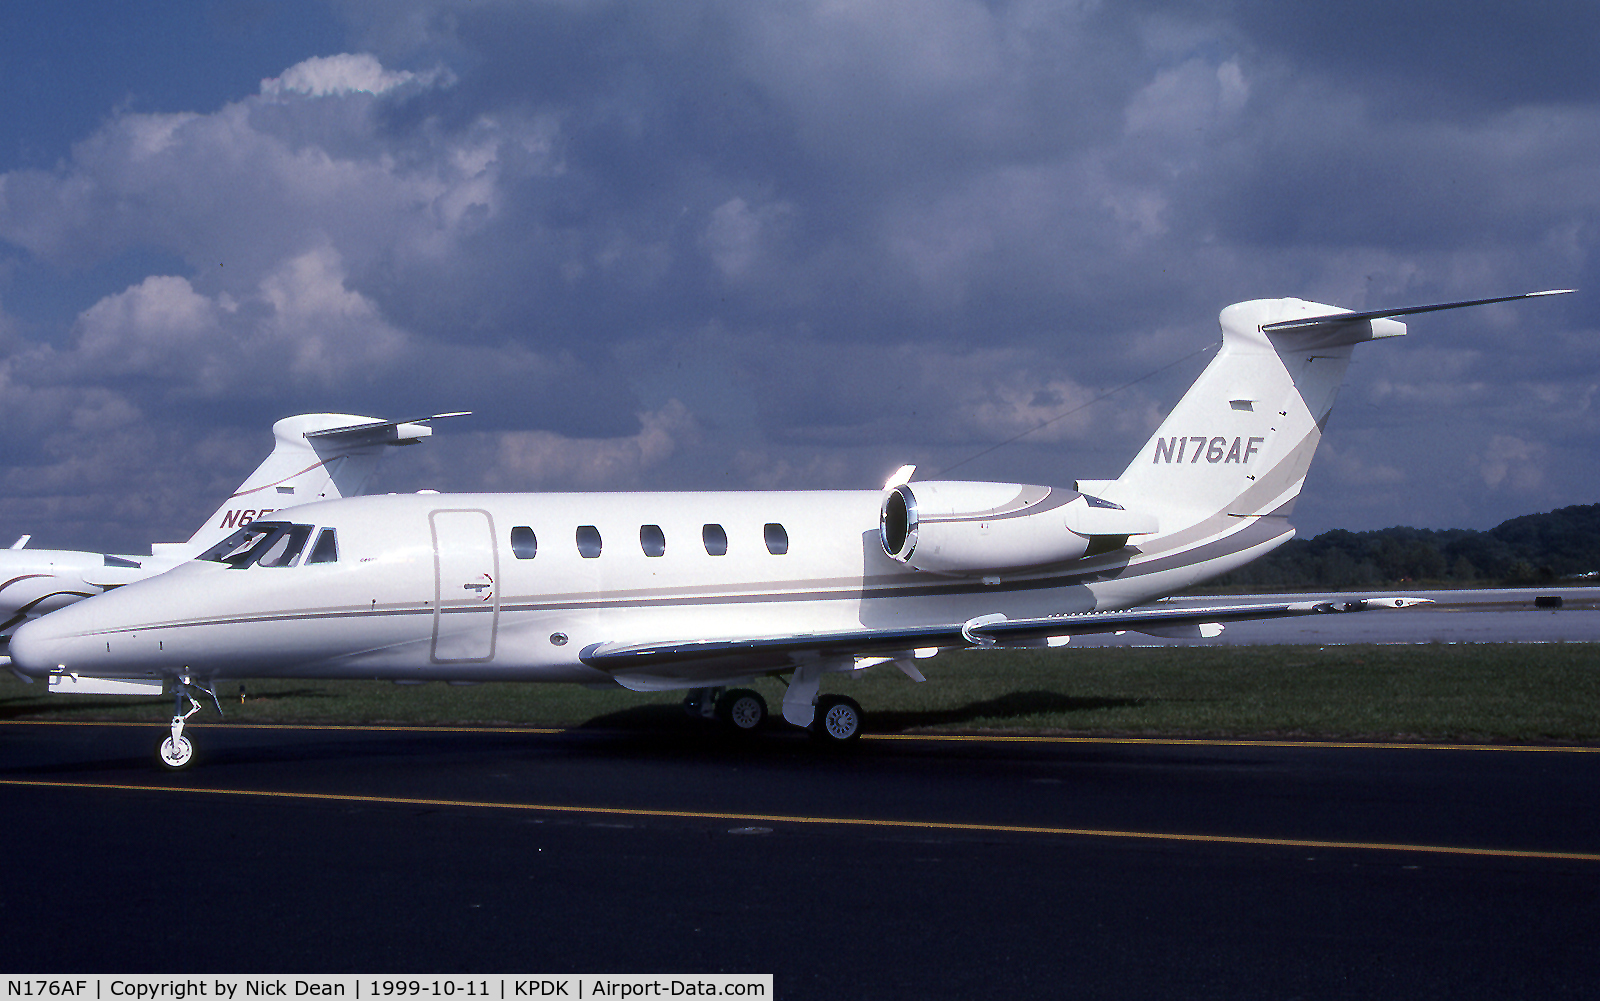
[{"x": 965, "y": 528}]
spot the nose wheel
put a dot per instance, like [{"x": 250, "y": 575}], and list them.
[{"x": 176, "y": 753}]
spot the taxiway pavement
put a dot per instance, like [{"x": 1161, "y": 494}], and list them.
[{"x": 909, "y": 867}]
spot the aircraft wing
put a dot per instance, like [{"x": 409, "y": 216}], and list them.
[{"x": 668, "y": 665}]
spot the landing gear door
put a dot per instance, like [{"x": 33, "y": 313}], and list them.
[{"x": 466, "y": 607}]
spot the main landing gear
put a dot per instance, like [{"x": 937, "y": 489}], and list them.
[
  {"x": 838, "y": 720},
  {"x": 832, "y": 719},
  {"x": 177, "y": 750},
  {"x": 740, "y": 710}
]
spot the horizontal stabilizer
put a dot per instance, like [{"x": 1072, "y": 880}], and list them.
[
  {"x": 1378, "y": 314},
  {"x": 114, "y": 576},
  {"x": 404, "y": 432}
]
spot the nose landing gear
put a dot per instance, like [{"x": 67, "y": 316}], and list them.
[{"x": 176, "y": 750}]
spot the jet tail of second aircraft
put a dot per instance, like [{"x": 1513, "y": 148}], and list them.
[{"x": 314, "y": 457}]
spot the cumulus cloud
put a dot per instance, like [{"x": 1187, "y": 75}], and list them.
[
  {"x": 1513, "y": 463},
  {"x": 534, "y": 459},
  {"x": 839, "y": 233},
  {"x": 300, "y": 326},
  {"x": 736, "y": 233},
  {"x": 346, "y": 73}
]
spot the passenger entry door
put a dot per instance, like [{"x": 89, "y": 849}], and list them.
[{"x": 466, "y": 607}]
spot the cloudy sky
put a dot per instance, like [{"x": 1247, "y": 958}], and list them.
[{"x": 781, "y": 244}]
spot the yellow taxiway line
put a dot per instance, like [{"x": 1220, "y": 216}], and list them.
[
  {"x": 979, "y": 738},
  {"x": 867, "y": 822}
]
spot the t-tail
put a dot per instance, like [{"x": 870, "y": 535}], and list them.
[
  {"x": 1223, "y": 471},
  {"x": 314, "y": 457}
]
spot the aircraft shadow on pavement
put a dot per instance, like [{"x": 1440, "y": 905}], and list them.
[{"x": 1012, "y": 705}]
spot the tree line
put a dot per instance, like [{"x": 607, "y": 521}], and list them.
[{"x": 1561, "y": 545}]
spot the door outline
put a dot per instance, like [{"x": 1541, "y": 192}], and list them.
[{"x": 470, "y": 547}]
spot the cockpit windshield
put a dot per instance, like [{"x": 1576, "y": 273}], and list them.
[{"x": 261, "y": 543}]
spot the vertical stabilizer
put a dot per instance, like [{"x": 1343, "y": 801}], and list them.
[{"x": 1239, "y": 443}]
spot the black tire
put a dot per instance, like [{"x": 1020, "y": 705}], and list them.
[
  {"x": 742, "y": 710},
  {"x": 838, "y": 720}
]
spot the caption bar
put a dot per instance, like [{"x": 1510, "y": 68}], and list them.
[{"x": 379, "y": 987}]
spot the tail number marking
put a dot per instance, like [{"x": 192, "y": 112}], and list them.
[
  {"x": 1213, "y": 450},
  {"x": 238, "y": 518}
]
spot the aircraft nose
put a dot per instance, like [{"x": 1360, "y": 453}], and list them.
[{"x": 34, "y": 646}]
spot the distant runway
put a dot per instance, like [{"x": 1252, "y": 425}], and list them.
[
  {"x": 1476, "y": 616},
  {"x": 912, "y": 867}
]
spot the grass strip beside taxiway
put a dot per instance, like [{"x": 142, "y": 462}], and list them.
[{"x": 1514, "y": 693}]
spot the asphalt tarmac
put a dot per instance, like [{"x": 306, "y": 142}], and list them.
[{"x": 907, "y": 867}]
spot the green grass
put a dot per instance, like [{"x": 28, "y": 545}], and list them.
[{"x": 1479, "y": 692}]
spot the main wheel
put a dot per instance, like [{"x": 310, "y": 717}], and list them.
[
  {"x": 838, "y": 720},
  {"x": 742, "y": 710},
  {"x": 176, "y": 754}
]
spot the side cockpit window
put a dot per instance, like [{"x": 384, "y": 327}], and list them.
[
  {"x": 327, "y": 548},
  {"x": 239, "y": 545},
  {"x": 261, "y": 543},
  {"x": 282, "y": 549}
]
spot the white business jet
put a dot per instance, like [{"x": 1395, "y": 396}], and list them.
[
  {"x": 314, "y": 457},
  {"x": 705, "y": 592}
]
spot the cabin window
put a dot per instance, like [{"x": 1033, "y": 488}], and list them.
[
  {"x": 327, "y": 548},
  {"x": 652, "y": 540},
  {"x": 524, "y": 544},
  {"x": 588, "y": 541},
  {"x": 777, "y": 538},
  {"x": 716, "y": 540}
]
